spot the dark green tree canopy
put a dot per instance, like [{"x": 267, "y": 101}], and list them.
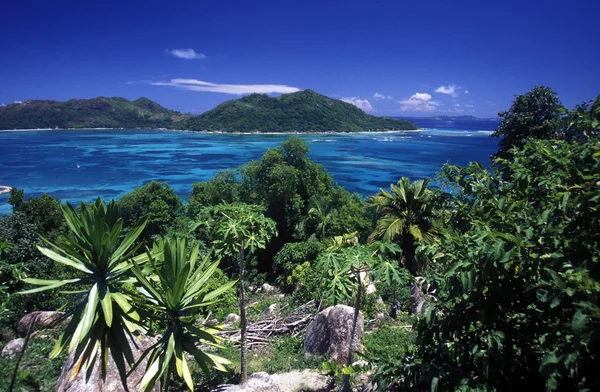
[
  {"x": 535, "y": 115},
  {"x": 156, "y": 200}
]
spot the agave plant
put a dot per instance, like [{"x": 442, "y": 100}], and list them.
[
  {"x": 102, "y": 314},
  {"x": 176, "y": 294}
]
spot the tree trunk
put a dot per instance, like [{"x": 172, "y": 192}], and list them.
[
  {"x": 346, "y": 378},
  {"x": 244, "y": 353},
  {"x": 417, "y": 299}
]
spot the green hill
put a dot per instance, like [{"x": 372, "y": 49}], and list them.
[
  {"x": 98, "y": 112},
  {"x": 303, "y": 111}
]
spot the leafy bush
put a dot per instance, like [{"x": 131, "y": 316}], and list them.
[
  {"x": 30, "y": 219},
  {"x": 518, "y": 304},
  {"x": 389, "y": 343},
  {"x": 308, "y": 282},
  {"x": 228, "y": 302},
  {"x": 155, "y": 200},
  {"x": 292, "y": 255},
  {"x": 287, "y": 354}
]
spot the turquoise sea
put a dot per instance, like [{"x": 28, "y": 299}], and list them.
[{"x": 84, "y": 164}]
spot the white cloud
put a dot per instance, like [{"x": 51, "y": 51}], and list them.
[
  {"x": 449, "y": 90},
  {"x": 421, "y": 96},
  {"x": 418, "y": 102},
  {"x": 18, "y": 102},
  {"x": 378, "y": 96},
  {"x": 188, "y": 54},
  {"x": 363, "y": 104},
  {"x": 2, "y": 104},
  {"x": 466, "y": 91},
  {"x": 457, "y": 105},
  {"x": 234, "y": 89},
  {"x": 469, "y": 106}
]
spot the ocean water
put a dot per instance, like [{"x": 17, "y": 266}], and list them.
[{"x": 84, "y": 164}]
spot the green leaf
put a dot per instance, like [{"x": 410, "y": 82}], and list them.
[
  {"x": 580, "y": 319},
  {"x": 106, "y": 302},
  {"x": 64, "y": 260},
  {"x": 48, "y": 284}
]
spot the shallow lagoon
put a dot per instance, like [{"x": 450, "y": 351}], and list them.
[{"x": 84, "y": 164}]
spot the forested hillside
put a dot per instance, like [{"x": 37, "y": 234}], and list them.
[
  {"x": 304, "y": 111},
  {"x": 98, "y": 112}
]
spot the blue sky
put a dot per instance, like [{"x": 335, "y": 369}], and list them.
[{"x": 389, "y": 57}]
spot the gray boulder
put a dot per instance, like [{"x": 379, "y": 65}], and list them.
[
  {"x": 231, "y": 319},
  {"x": 112, "y": 381},
  {"x": 258, "y": 382},
  {"x": 269, "y": 312},
  {"x": 329, "y": 333},
  {"x": 212, "y": 322},
  {"x": 40, "y": 320},
  {"x": 267, "y": 288},
  {"x": 13, "y": 348}
]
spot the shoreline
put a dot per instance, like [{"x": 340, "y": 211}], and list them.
[
  {"x": 5, "y": 189},
  {"x": 213, "y": 132}
]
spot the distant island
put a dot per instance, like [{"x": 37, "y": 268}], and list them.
[
  {"x": 304, "y": 111},
  {"x": 461, "y": 118},
  {"x": 97, "y": 112}
]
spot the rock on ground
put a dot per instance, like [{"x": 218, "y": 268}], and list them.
[
  {"x": 267, "y": 288},
  {"x": 257, "y": 382},
  {"x": 231, "y": 318},
  {"x": 112, "y": 382},
  {"x": 40, "y": 320},
  {"x": 329, "y": 333},
  {"x": 13, "y": 348},
  {"x": 269, "y": 312},
  {"x": 305, "y": 380}
]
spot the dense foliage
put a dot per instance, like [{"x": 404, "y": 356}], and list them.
[
  {"x": 155, "y": 200},
  {"x": 535, "y": 115},
  {"x": 304, "y": 111},
  {"x": 97, "y": 112},
  {"x": 287, "y": 183},
  {"x": 518, "y": 301},
  {"x": 19, "y": 258}
]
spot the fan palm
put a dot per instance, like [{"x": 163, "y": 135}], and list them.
[
  {"x": 176, "y": 299},
  {"x": 405, "y": 218},
  {"x": 322, "y": 212},
  {"x": 101, "y": 313}
]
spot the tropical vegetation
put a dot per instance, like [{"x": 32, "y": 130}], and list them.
[{"x": 491, "y": 269}]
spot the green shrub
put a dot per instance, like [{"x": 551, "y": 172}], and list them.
[
  {"x": 308, "y": 282},
  {"x": 228, "y": 300},
  {"x": 287, "y": 354},
  {"x": 388, "y": 348}
]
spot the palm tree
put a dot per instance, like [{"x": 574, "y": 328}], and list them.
[
  {"x": 405, "y": 218},
  {"x": 322, "y": 212}
]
